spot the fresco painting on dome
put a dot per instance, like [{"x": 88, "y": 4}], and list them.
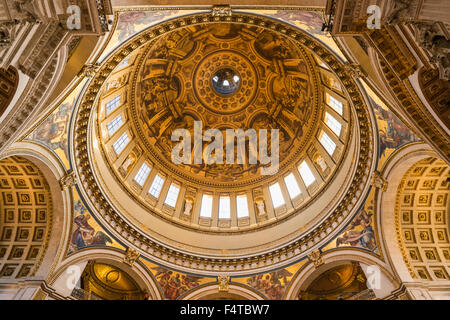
[
  {"x": 392, "y": 132},
  {"x": 360, "y": 233},
  {"x": 310, "y": 21},
  {"x": 131, "y": 22},
  {"x": 86, "y": 232},
  {"x": 272, "y": 284},
  {"x": 52, "y": 132},
  {"x": 173, "y": 284}
]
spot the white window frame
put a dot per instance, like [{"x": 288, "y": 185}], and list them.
[
  {"x": 115, "y": 124},
  {"x": 172, "y": 195},
  {"x": 242, "y": 206},
  {"x": 224, "y": 207},
  {"x": 292, "y": 185},
  {"x": 206, "y": 206},
  {"x": 157, "y": 185},
  {"x": 276, "y": 195},
  {"x": 334, "y": 103},
  {"x": 121, "y": 143},
  {"x": 142, "y": 174},
  {"x": 112, "y": 104},
  {"x": 306, "y": 174},
  {"x": 327, "y": 143},
  {"x": 333, "y": 123}
]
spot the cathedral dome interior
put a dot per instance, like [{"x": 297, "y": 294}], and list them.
[
  {"x": 210, "y": 207},
  {"x": 224, "y": 152}
]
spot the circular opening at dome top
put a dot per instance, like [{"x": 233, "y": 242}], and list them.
[{"x": 226, "y": 81}]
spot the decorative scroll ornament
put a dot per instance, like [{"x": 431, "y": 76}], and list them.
[
  {"x": 433, "y": 37},
  {"x": 221, "y": 11},
  {"x": 89, "y": 70},
  {"x": 130, "y": 257},
  {"x": 316, "y": 257},
  {"x": 68, "y": 180},
  {"x": 378, "y": 181},
  {"x": 354, "y": 70}
]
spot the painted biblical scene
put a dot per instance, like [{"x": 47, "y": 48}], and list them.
[
  {"x": 86, "y": 232},
  {"x": 272, "y": 284},
  {"x": 392, "y": 132},
  {"x": 309, "y": 21},
  {"x": 174, "y": 284},
  {"x": 360, "y": 233},
  {"x": 53, "y": 131},
  {"x": 131, "y": 22}
]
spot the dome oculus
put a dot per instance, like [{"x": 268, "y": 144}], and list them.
[{"x": 226, "y": 81}]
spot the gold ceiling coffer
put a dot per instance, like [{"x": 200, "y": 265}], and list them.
[{"x": 221, "y": 11}]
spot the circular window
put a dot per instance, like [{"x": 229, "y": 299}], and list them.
[{"x": 226, "y": 81}]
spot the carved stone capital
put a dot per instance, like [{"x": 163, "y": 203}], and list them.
[{"x": 130, "y": 257}]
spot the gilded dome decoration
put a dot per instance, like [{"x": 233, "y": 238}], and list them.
[
  {"x": 263, "y": 151},
  {"x": 271, "y": 84},
  {"x": 225, "y": 75}
]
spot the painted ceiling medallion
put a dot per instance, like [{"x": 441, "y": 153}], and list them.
[{"x": 227, "y": 76}]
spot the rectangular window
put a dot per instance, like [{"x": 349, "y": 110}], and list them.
[
  {"x": 292, "y": 185},
  {"x": 206, "y": 207},
  {"x": 276, "y": 195},
  {"x": 242, "y": 206},
  {"x": 306, "y": 173},
  {"x": 121, "y": 143},
  {"x": 172, "y": 195},
  {"x": 155, "y": 188},
  {"x": 224, "y": 207},
  {"x": 333, "y": 124},
  {"x": 115, "y": 124},
  {"x": 112, "y": 104},
  {"x": 334, "y": 103},
  {"x": 142, "y": 174},
  {"x": 327, "y": 143}
]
